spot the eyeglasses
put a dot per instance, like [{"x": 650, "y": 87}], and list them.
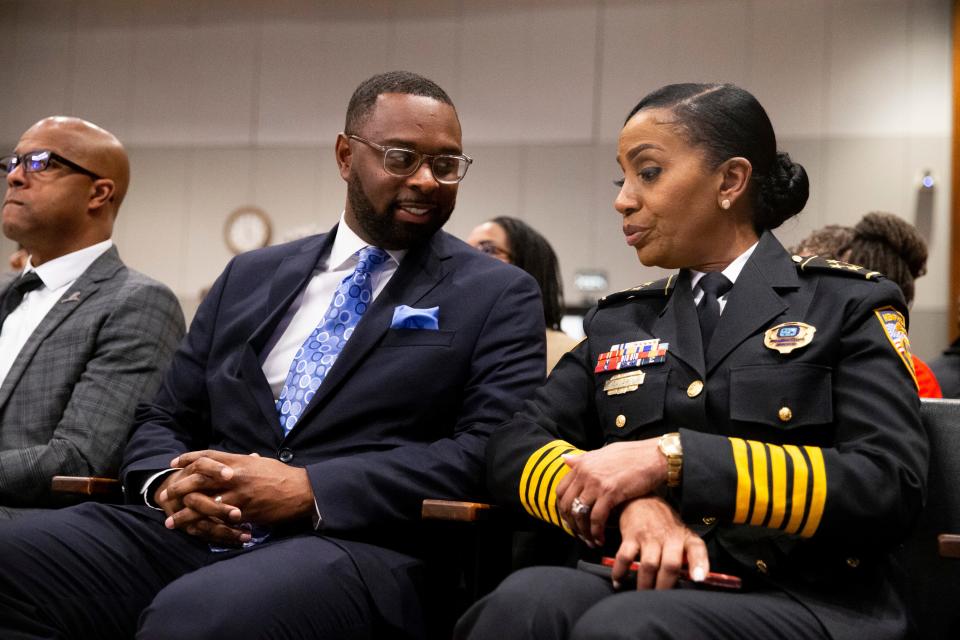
[
  {"x": 397, "y": 161},
  {"x": 39, "y": 160},
  {"x": 487, "y": 247}
]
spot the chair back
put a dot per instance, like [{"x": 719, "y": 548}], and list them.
[{"x": 933, "y": 582}]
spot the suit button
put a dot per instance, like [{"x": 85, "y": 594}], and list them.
[
  {"x": 285, "y": 455},
  {"x": 853, "y": 563},
  {"x": 621, "y": 421},
  {"x": 762, "y": 566},
  {"x": 709, "y": 521},
  {"x": 694, "y": 389},
  {"x": 785, "y": 414}
]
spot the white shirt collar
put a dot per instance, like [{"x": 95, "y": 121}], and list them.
[
  {"x": 347, "y": 243},
  {"x": 61, "y": 271},
  {"x": 732, "y": 272}
]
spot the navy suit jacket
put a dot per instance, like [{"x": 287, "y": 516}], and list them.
[{"x": 403, "y": 414}]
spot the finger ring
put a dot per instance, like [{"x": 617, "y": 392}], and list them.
[
  {"x": 218, "y": 499},
  {"x": 578, "y": 508}
]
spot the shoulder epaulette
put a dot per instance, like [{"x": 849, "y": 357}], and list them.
[
  {"x": 654, "y": 288},
  {"x": 818, "y": 264}
]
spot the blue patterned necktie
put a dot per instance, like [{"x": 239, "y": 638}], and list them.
[{"x": 319, "y": 351}]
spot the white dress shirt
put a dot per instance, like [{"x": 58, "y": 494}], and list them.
[
  {"x": 58, "y": 275},
  {"x": 302, "y": 317},
  {"x": 732, "y": 272},
  {"x": 308, "y": 309}
]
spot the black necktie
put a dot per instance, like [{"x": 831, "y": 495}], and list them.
[
  {"x": 714, "y": 285},
  {"x": 27, "y": 283}
]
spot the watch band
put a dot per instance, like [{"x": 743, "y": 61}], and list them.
[{"x": 670, "y": 447}]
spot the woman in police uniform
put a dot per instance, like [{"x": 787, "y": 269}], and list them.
[{"x": 753, "y": 414}]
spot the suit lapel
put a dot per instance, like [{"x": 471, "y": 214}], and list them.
[
  {"x": 421, "y": 270},
  {"x": 678, "y": 325},
  {"x": 288, "y": 281},
  {"x": 78, "y": 295},
  {"x": 753, "y": 301}
]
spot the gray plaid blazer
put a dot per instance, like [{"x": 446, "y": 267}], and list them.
[{"x": 66, "y": 406}]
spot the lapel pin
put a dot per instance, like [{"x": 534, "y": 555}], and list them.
[{"x": 73, "y": 297}]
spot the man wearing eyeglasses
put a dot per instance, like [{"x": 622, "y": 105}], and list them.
[
  {"x": 325, "y": 389},
  {"x": 83, "y": 338}
]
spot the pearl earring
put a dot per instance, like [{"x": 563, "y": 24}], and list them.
[{"x": 725, "y": 204}]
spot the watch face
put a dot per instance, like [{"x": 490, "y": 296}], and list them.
[
  {"x": 246, "y": 229},
  {"x": 670, "y": 445}
]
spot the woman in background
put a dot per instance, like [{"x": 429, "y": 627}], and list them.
[
  {"x": 886, "y": 243},
  {"x": 515, "y": 242}
]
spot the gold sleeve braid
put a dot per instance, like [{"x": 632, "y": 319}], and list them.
[
  {"x": 538, "y": 482},
  {"x": 774, "y": 481}
]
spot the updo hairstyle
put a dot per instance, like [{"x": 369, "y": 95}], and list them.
[
  {"x": 889, "y": 244},
  {"x": 830, "y": 241},
  {"x": 726, "y": 122}
]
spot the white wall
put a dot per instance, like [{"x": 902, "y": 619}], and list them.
[{"x": 224, "y": 104}]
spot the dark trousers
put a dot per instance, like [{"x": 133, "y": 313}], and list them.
[
  {"x": 554, "y": 603},
  {"x": 102, "y": 571}
]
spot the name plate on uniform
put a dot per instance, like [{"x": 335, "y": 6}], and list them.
[{"x": 624, "y": 383}]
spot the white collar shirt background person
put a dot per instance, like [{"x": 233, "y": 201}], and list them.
[{"x": 58, "y": 275}]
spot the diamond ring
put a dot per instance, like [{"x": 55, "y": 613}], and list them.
[{"x": 578, "y": 508}]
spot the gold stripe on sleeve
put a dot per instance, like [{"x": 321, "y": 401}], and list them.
[
  {"x": 551, "y": 505},
  {"x": 543, "y": 469},
  {"x": 761, "y": 485},
  {"x": 537, "y": 477},
  {"x": 818, "y": 496},
  {"x": 743, "y": 480},
  {"x": 528, "y": 470},
  {"x": 799, "y": 497},
  {"x": 547, "y": 494},
  {"x": 778, "y": 468}
]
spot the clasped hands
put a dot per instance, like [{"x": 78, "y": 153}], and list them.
[
  {"x": 213, "y": 495},
  {"x": 626, "y": 475}
]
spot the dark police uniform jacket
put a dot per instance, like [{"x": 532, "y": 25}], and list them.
[{"x": 801, "y": 470}]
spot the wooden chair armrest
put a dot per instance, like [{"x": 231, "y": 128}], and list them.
[
  {"x": 949, "y": 545},
  {"x": 456, "y": 510},
  {"x": 86, "y": 485}
]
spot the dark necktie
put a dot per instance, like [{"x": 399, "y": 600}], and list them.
[
  {"x": 714, "y": 284},
  {"x": 27, "y": 283}
]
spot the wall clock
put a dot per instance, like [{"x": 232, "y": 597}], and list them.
[{"x": 247, "y": 228}]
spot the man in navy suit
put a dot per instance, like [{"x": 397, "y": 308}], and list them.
[{"x": 274, "y": 485}]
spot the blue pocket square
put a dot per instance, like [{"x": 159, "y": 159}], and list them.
[{"x": 405, "y": 317}]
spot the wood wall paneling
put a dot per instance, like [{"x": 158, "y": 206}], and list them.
[{"x": 955, "y": 198}]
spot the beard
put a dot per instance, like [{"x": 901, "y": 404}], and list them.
[{"x": 382, "y": 227}]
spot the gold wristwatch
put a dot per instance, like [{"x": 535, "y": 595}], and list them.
[{"x": 671, "y": 449}]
